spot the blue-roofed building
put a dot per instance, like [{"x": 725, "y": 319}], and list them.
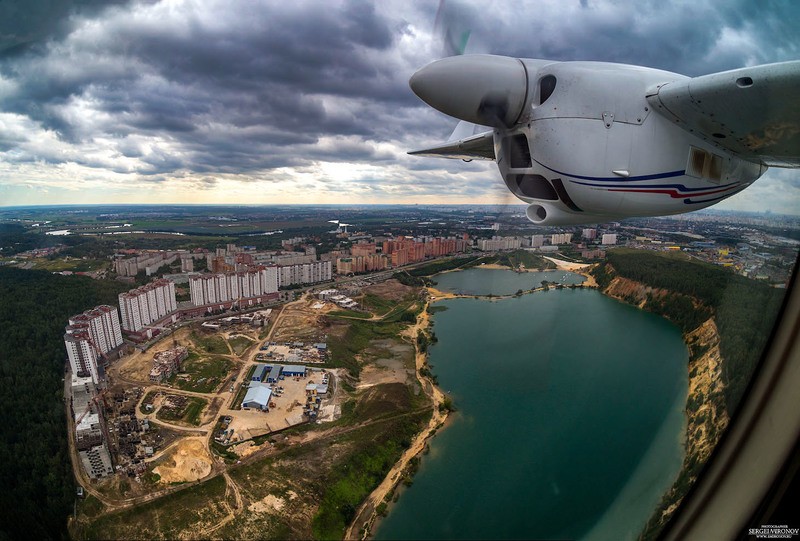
[
  {"x": 274, "y": 374},
  {"x": 257, "y": 397},
  {"x": 260, "y": 372},
  {"x": 294, "y": 370}
]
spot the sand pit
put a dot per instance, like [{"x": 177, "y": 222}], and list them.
[
  {"x": 188, "y": 461},
  {"x": 567, "y": 265}
]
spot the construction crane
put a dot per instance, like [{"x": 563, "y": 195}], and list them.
[{"x": 94, "y": 399}]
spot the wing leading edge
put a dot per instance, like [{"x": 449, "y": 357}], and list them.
[{"x": 753, "y": 112}]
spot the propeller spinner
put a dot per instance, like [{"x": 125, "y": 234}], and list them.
[{"x": 482, "y": 89}]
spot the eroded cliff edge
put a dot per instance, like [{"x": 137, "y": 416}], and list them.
[{"x": 706, "y": 414}]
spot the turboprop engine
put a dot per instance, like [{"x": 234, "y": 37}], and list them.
[{"x": 589, "y": 142}]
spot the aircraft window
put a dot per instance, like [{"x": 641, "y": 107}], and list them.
[
  {"x": 547, "y": 85},
  {"x": 703, "y": 164},
  {"x": 518, "y": 150},
  {"x": 534, "y": 186}
]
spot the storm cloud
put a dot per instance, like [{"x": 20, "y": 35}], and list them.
[{"x": 195, "y": 95}]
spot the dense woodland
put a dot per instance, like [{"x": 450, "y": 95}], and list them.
[
  {"x": 744, "y": 310},
  {"x": 15, "y": 238},
  {"x": 35, "y": 471}
]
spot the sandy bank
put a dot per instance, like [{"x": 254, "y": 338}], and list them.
[
  {"x": 367, "y": 514},
  {"x": 567, "y": 265},
  {"x": 438, "y": 295}
]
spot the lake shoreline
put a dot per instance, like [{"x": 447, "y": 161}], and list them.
[
  {"x": 436, "y": 295},
  {"x": 368, "y": 515}
]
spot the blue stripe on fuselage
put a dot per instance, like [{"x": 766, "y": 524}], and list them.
[
  {"x": 655, "y": 176},
  {"x": 676, "y": 186}
]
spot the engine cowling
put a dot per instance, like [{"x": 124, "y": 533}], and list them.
[{"x": 547, "y": 214}]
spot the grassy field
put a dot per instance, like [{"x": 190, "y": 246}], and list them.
[
  {"x": 239, "y": 344},
  {"x": 526, "y": 259},
  {"x": 351, "y": 314},
  {"x": 202, "y": 374},
  {"x": 357, "y": 338},
  {"x": 190, "y": 509},
  {"x": 74, "y": 265},
  {"x": 377, "y": 305},
  {"x": 211, "y": 344},
  {"x": 189, "y": 413}
]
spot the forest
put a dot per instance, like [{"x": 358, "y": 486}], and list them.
[
  {"x": 35, "y": 471},
  {"x": 744, "y": 310}
]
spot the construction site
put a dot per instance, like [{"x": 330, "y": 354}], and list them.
[{"x": 210, "y": 400}]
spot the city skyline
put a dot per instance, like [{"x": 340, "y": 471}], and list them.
[{"x": 266, "y": 104}]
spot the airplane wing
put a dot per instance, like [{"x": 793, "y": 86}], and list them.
[
  {"x": 753, "y": 112},
  {"x": 463, "y": 144}
]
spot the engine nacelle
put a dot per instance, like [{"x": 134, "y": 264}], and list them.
[{"x": 579, "y": 142}]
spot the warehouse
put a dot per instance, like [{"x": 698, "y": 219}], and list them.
[
  {"x": 260, "y": 372},
  {"x": 257, "y": 397},
  {"x": 274, "y": 374},
  {"x": 293, "y": 370}
]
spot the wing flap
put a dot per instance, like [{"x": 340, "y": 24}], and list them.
[
  {"x": 463, "y": 145},
  {"x": 753, "y": 112}
]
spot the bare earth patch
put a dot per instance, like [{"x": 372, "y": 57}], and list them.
[
  {"x": 389, "y": 362},
  {"x": 188, "y": 461},
  {"x": 267, "y": 504},
  {"x": 391, "y": 290}
]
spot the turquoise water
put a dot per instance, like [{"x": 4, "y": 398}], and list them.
[
  {"x": 569, "y": 424},
  {"x": 499, "y": 282}
]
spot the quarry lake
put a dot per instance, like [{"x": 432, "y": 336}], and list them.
[
  {"x": 499, "y": 282},
  {"x": 570, "y": 416}
]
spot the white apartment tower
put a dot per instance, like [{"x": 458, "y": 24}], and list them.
[
  {"x": 560, "y": 238},
  {"x": 306, "y": 273},
  {"x": 89, "y": 335},
  {"x": 609, "y": 238},
  {"x": 81, "y": 353},
  {"x": 141, "y": 306},
  {"x": 213, "y": 288},
  {"x": 101, "y": 325}
]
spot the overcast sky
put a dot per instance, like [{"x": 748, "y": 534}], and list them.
[{"x": 246, "y": 101}]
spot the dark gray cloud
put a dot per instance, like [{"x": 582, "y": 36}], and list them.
[
  {"x": 26, "y": 23},
  {"x": 180, "y": 90}
]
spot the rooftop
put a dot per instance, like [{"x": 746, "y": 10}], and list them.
[{"x": 259, "y": 394}]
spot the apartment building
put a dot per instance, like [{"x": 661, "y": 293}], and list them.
[{"x": 144, "y": 305}]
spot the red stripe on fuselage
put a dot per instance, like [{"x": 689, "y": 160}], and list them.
[{"x": 672, "y": 193}]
